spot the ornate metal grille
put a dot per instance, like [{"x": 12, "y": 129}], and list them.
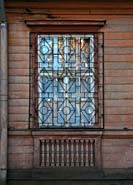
[{"x": 66, "y": 80}]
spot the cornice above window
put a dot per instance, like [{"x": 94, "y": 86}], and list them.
[
  {"x": 65, "y": 23},
  {"x": 63, "y": 26}
]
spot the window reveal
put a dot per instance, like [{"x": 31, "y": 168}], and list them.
[{"x": 67, "y": 81}]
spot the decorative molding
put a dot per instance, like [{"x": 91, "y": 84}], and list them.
[
  {"x": 65, "y": 23},
  {"x": 67, "y": 151}
]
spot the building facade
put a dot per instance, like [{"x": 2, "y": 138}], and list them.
[{"x": 66, "y": 90}]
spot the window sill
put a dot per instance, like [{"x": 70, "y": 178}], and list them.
[{"x": 111, "y": 133}]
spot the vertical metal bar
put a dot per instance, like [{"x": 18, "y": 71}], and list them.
[
  {"x": 66, "y": 93},
  {"x": 92, "y": 66},
  {"x": 53, "y": 86},
  {"x": 39, "y": 90},
  {"x": 79, "y": 80}
]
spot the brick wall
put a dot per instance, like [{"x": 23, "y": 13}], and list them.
[
  {"x": 20, "y": 152},
  {"x": 117, "y": 147},
  {"x": 117, "y": 153}
]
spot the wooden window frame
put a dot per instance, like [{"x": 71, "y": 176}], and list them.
[{"x": 61, "y": 27}]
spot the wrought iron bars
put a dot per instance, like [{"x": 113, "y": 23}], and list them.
[{"x": 67, "y": 77}]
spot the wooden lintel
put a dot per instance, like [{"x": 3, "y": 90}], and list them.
[{"x": 65, "y": 23}]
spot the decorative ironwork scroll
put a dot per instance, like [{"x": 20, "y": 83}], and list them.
[{"x": 66, "y": 80}]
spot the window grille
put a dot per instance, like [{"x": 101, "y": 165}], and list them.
[{"x": 66, "y": 80}]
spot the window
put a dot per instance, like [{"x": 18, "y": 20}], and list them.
[{"x": 66, "y": 80}]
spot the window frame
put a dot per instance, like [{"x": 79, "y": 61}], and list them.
[{"x": 63, "y": 30}]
